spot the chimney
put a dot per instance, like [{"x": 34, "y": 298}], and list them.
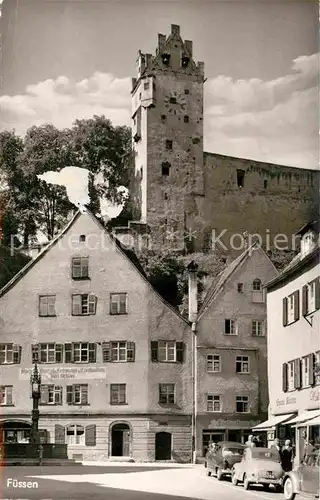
[
  {"x": 175, "y": 30},
  {"x": 193, "y": 291},
  {"x": 161, "y": 42},
  {"x": 148, "y": 60},
  {"x": 188, "y": 45}
]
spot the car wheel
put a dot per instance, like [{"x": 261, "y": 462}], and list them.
[
  {"x": 234, "y": 480},
  {"x": 219, "y": 474},
  {"x": 246, "y": 483},
  {"x": 288, "y": 489}
]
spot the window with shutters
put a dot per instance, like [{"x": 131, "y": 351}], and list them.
[
  {"x": 10, "y": 354},
  {"x": 77, "y": 394},
  {"x": 242, "y": 364},
  {"x": 75, "y": 434},
  {"x": 242, "y": 404},
  {"x": 51, "y": 394},
  {"x": 167, "y": 351},
  {"x": 213, "y": 363},
  {"x": 6, "y": 395},
  {"x": 118, "y": 352},
  {"x": 230, "y": 327},
  {"x": 47, "y": 305},
  {"x": 118, "y": 303},
  {"x": 305, "y": 371},
  {"x": 80, "y": 268},
  {"x": 118, "y": 394},
  {"x": 166, "y": 393},
  {"x": 290, "y": 367},
  {"x": 317, "y": 368},
  {"x": 257, "y": 328},
  {"x": 291, "y": 308},
  {"x": 80, "y": 352},
  {"x": 47, "y": 353},
  {"x": 213, "y": 403},
  {"x": 84, "y": 304},
  {"x": 310, "y": 297}
]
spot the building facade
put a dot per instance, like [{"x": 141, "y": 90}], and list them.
[
  {"x": 114, "y": 358},
  {"x": 293, "y": 302},
  {"x": 232, "y": 387},
  {"x": 185, "y": 194}
]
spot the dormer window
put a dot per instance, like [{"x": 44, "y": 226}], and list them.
[
  {"x": 185, "y": 61},
  {"x": 166, "y": 58},
  {"x": 307, "y": 243}
]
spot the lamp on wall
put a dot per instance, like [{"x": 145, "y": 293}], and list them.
[{"x": 35, "y": 381}]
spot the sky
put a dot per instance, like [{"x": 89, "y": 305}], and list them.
[{"x": 68, "y": 59}]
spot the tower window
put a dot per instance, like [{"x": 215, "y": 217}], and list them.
[
  {"x": 165, "y": 168},
  {"x": 163, "y": 118},
  {"x": 146, "y": 85},
  {"x": 165, "y": 196},
  {"x": 166, "y": 58},
  {"x": 82, "y": 237},
  {"x": 168, "y": 144},
  {"x": 140, "y": 95},
  {"x": 265, "y": 184},
  {"x": 240, "y": 178},
  {"x": 185, "y": 61},
  {"x": 173, "y": 100},
  {"x": 186, "y": 91},
  {"x": 186, "y": 119}
]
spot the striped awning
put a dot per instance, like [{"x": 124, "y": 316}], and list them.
[
  {"x": 305, "y": 417},
  {"x": 272, "y": 422}
]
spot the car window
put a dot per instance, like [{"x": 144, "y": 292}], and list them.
[
  {"x": 264, "y": 454},
  {"x": 232, "y": 451}
]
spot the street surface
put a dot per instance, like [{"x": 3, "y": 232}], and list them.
[{"x": 122, "y": 482}]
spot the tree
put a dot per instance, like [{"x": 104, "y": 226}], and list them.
[{"x": 105, "y": 151}]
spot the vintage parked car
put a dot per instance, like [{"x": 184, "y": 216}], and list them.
[
  {"x": 303, "y": 481},
  {"x": 221, "y": 458},
  {"x": 258, "y": 466}
]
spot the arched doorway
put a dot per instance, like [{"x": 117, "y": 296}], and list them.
[
  {"x": 120, "y": 440},
  {"x": 163, "y": 446},
  {"x": 15, "y": 431}
]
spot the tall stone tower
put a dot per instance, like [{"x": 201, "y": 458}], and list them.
[{"x": 167, "y": 125}]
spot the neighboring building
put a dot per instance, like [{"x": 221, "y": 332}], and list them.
[
  {"x": 293, "y": 302},
  {"x": 231, "y": 328},
  {"x": 181, "y": 192},
  {"x": 115, "y": 358}
]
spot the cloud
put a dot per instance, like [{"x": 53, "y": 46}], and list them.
[
  {"x": 274, "y": 121},
  {"x": 61, "y": 101}
]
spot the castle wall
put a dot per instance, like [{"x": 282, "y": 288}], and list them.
[{"x": 273, "y": 200}]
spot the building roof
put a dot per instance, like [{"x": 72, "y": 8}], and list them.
[
  {"x": 217, "y": 286},
  {"x": 129, "y": 254},
  {"x": 296, "y": 267},
  {"x": 310, "y": 226}
]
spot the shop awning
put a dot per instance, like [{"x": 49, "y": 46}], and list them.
[
  {"x": 305, "y": 417},
  {"x": 272, "y": 422},
  {"x": 314, "y": 421}
]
